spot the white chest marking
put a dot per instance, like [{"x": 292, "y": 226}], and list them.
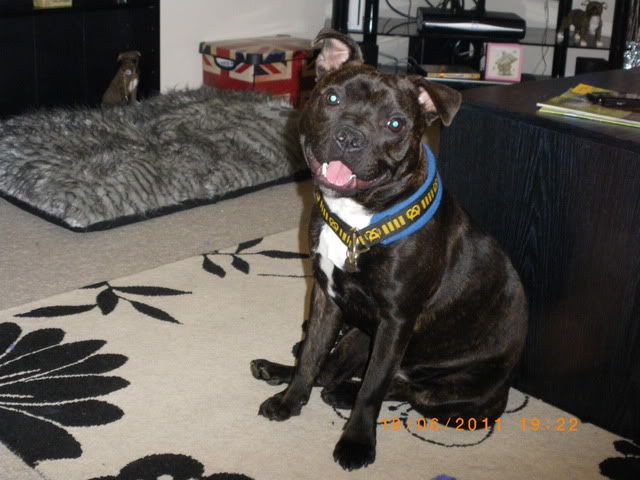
[{"x": 332, "y": 251}]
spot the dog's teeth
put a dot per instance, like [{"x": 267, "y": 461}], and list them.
[
  {"x": 352, "y": 177},
  {"x": 324, "y": 169}
]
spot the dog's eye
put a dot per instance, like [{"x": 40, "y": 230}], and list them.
[
  {"x": 395, "y": 124},
  {"x": 333, "y": 99}
]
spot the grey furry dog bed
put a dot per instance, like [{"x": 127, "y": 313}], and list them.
[{"x": 92, "y": 168}]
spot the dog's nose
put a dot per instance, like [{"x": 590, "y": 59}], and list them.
[{"x": 350, "y": 139}]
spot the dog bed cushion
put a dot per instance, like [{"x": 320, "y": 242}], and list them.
[{"x": 92, "y": 169}]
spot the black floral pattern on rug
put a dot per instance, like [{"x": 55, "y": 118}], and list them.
[
  {"x": 626, "y": 467},
  {"x": 47, "y": 385},
  {"x": 169, "y": 466},
  {"x": 238, "y": 258},
  {"x": 108, "y": 299}
]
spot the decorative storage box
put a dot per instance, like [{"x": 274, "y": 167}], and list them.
[{"x": 280, "y": 65}]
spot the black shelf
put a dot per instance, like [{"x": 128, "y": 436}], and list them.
[
  {"x": 534, "y": 36},
  {"x": 402, "y": 27}
]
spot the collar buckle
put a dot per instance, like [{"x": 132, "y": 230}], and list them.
[{"x": 354, "y": 251}]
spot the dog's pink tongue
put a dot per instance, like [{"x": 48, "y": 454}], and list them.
[{"x": 338, "y": 173}]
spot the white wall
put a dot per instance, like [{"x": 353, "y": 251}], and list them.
[{"x": 185, "y": 23}]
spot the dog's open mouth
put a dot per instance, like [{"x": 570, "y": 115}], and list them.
[{"x": 337, "y": 175}]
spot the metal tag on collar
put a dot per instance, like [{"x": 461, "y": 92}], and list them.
[{"x": 353, "y": 252}]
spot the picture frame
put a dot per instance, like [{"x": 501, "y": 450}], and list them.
[{"x": 504, "y": 62}]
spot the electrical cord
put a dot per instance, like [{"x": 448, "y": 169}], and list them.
[
  {"x": 396, "y": 61},
  {"x": 411, "y": 19},
  {"x": 454, "y": 4},
  {"x": 402, "y": 14},
  {"x": 457, "y": 49},
  {"x": 409, "y": 22},
  {"x": 451, "y": 4},
  {"x": 416, "y": 66},
  {"x": 544, "y": 48},
  {"x": 407, "y": 15},
  {"x": 410, "y": 61}
]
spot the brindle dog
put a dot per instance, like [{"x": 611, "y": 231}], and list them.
[{"x": 437, "y": 318}]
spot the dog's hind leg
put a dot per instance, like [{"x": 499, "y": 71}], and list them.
[
  {"x": 276, "y": 373},
  {"x": 445, "y": 398},
  {"x": 343, "y": 394},
  {"x": 458, "y": 397},
  {"x": 347, "y": 359},
  {"x": 271, "y": 372}
]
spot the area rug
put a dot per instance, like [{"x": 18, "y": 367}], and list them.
[
  {"x": 92, "y": 169},
  {"x": 147, "y": 377}
]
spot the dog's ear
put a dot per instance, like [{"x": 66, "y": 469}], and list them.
[
  {"x": 336, "y": 49},
  {"x": 438, "y": 101}
]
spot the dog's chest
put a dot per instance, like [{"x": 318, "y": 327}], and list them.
[{"x": 330, "y": 248}]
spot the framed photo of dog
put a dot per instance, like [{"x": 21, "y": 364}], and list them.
[{"x": 504, "y": 62}]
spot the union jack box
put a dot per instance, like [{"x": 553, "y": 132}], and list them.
[{"x": 280, "y": 65}]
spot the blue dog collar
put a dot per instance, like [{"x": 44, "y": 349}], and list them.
[
  {"x": 393, "y": 224},
  {"x": 415, "y": 199}
]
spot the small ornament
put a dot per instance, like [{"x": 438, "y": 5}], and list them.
[{"x": 632, "y": 55}]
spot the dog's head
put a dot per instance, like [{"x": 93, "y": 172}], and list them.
[
  {"x": 129, "y": 62},
  {"x": 361, "y": 130},
  {"x": 594, "y": 9}
]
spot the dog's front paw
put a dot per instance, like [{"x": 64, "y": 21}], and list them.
[
  {"x": 277, "y": 408},
  {"x": 352, "y": 453}
]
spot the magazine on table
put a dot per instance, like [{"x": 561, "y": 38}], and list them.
[{"x": 575, "y": 103}]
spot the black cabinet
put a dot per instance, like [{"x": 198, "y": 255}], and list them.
[
  {"x": 67, "y": 56},
  {"x": 562, "y": 196}
]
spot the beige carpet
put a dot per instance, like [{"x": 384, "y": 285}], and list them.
[
  {"x": 150, "y": 373},
  {"x": 39, "y": 259}
]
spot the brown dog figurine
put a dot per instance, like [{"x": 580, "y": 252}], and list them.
[
  {"x": 411, "y": 302},
  {"x": 123, "y": 89},
  {"x": 584, "y": 22}
]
